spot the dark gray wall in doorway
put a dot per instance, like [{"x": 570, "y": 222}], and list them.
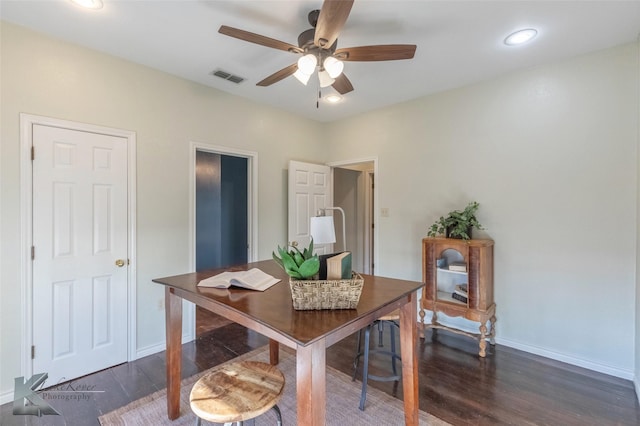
[{"x": 221, "y": 210}]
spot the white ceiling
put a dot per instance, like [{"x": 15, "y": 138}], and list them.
[{"x": 458, "y": 42}]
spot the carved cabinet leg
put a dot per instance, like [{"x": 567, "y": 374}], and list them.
[
  {"x": 421, "y": 312},
  {"x": 483, "y": 335}
]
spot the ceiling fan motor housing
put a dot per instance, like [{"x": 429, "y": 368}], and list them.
[{"x": 305, "y": 42}]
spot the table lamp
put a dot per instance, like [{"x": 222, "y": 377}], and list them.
[{"x": 322, "y": 228}]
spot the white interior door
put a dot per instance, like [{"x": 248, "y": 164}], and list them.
[
  {"x": 309, "y": 190},
  {"x": 80, "y": 251}
]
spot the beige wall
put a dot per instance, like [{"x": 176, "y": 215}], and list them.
[
  {"x": 550, "y": 153},
  {"x": 45, "y": 77},
  {"x": 551, "y": 156}
]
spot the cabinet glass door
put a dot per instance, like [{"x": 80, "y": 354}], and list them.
[{"x": 452, "y": 277}]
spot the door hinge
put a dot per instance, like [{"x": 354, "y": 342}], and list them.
[
  {"x": 33, "y": 252},
  {"x": 33, "y": 153},
  {"x": 33, "y": 352}
]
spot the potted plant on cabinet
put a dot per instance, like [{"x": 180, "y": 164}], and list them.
[{"x": 457, "y": 224}]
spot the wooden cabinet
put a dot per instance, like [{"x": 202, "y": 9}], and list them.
[{"x": 440, "y": 256}]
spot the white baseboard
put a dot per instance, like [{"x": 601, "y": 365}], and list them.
[
  {"x": 579, "y": 362},
  {"x": 471, "y": 327},
  {"x": 159, "y": 347},
  {"x": 636, "y": 383},
  {"x": 6, "y": 397}
]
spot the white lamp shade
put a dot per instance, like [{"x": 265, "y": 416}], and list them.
[
  {"x": 333, "y": 66},
  {"x": 302, "y": 77},
  {"x": 325, "y": 79},
  {"x": 307, "y": 64},
  {"x": 322, "y": 230}
]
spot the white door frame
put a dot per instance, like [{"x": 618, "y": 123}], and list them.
[
  {"x": 252, "y": 215},
  {"x": 27, "y": 121},
  {"x": 376, "y": 198}
]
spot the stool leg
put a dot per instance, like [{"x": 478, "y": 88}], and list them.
[
  {"x": 380, "y": 330},
  {"x": 198, "y": 421},
  {"x": 357, "y": 357},
  {"x": 365, "y": 367},
  {"x": 278, "y": 414},
  {"x": 393, "y": 348}
]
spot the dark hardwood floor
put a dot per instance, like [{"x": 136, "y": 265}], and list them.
[{"x": 509, "y": 387}]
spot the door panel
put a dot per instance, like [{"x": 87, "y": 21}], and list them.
[
  {"x": 309, "y": 190},
  {"x": 80, "y": 215}
]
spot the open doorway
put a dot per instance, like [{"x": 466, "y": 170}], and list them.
[
  {"x": 224, "y": 209},
  {"x": 353, "y": 191}
]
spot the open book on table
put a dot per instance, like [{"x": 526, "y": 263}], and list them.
[{"x": 253, "y": 279}]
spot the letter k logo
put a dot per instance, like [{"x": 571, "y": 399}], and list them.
[{"x": 26, "y": 401}]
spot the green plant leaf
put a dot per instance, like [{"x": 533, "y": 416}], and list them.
[
  {"x": 310, "y": 267},
  {"x": 299, "y": 259},
  {"x": 294, "y": 274},
  {"x": 287, "y": 260}
]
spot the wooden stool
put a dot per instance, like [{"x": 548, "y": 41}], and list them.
[
  {"x": 392, "y": 321},
  {"x": 236, "y": 392}
]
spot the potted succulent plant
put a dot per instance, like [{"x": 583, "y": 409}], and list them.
[
  {"x": 457, "y": 224},
  {"x": 300, "y": 265}
]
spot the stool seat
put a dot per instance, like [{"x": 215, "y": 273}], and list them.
[{"x": 236, "y": 392}]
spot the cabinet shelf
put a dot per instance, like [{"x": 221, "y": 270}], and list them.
[
  {"x": 440, "y": 282},
  {"x": 444, "y": 296},
  {"x": 449, "y": 271}
]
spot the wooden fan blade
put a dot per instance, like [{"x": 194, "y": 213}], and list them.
[
  {"x": 342, "y": 84},
  {"x": 258, "y": 39},
  {"x": 382, "y": 52},
  {"x": 333, "y": 15},
  {"x": 278, "y": 75}
]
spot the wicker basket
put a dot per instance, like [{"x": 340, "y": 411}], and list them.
[{"x": 326, "y": 294}]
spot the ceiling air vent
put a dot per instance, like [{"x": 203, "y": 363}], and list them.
[{"x": 228, "y": 76}]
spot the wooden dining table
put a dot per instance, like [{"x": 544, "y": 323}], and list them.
[{"x": 309, "y": 333}]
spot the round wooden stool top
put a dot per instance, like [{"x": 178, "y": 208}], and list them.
[{"x": 236, "y": 392}]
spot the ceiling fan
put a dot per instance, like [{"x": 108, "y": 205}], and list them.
[{"x": 318, "y": 47}]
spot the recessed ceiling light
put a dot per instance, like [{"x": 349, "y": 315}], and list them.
[
  {"x": 333, "y": 99},
  {"x": 520, "y": 37},
  {"x": 89, "y": 4}
]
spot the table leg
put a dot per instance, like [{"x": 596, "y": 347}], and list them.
[
  {"x": 173, "y": 317},
  {"x": 311, "y": 369},
  {"x": 408, "y": 336},
  {"x": 274, "y": 352}
]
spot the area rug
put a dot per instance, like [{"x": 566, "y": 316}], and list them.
[{"x": 343, "y": 397}]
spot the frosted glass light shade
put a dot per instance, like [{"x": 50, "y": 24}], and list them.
[
  {"x": 325, "y": 79},
  {"x": 302, "y": 77},
  {"x": 307, "y": 64},
  {"x": 333, "y": 66},
  {"x": 322, "y": 230}
]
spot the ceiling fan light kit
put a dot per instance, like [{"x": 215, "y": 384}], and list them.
[
  {"x": 333, "y": 66},
  {"x": 325, "y": 79},
  {"x": 302, "y": 77},
  {"x": 318, "y": 46},
  {"x": 307, "y": 64}
]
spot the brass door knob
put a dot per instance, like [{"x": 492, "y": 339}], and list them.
[{"x": 120, "y": 263}]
